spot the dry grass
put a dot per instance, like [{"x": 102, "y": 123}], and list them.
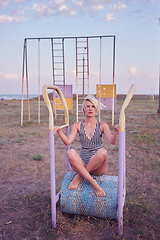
[{"x": 25, "y": 182}]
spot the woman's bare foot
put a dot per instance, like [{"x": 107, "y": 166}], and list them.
[
  {"x": 75, "y": 182},
  {"x": 98, "y": 190}
]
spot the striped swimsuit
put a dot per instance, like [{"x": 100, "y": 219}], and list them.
[{"x": 90, "y": 146}]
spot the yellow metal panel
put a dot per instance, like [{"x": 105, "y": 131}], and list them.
[
  {"x": 105, "y": 91},
  {"x": 69, "y": 102}
]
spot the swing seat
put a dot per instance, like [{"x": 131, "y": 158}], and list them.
[{"x": 84, "y": 201}]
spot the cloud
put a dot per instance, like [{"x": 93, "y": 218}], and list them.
[
  {"x": 42, "y": 10},
  {"x": 73, "y": 7},
  {"x": 72, "y": 12},
  {"x": 54, "y": 8},
  {"x": 6, "y": 19},
  {"x": 63, "y": 7},
  {"x": 98, "y": 7},
  {"x": 113, "y": 9},
  {"x": 19, "y": 1},
  {"x": 73, "y": 72},
  {"x": 109, "y": 17},
  {"x": 4, "y": 3},
  {"x": 133, "y": 70},
  {"x": 10, "y": 76},
  {"x": 144, "y": 17},
  {"x": 150, "y": 75},
  {"x": 59, "y": 1},
  {"x": 77, "y": 3},
  {"x": 96, "y": 74},
  {"x": 118, "y": 6}
]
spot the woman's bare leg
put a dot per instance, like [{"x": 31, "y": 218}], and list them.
[
  {"x": 75, "y": 182},
  {"x": 98, "y": 163},
  {"x": 82, "y": 171},
  {"x": 75, "y": 161}
]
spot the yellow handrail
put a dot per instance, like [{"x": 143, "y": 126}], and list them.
[
  {"x": 46, "y": 98},
  {"x": 125, "y": 104}
]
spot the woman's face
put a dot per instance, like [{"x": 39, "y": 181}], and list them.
[{"x": 89, "y": 109}]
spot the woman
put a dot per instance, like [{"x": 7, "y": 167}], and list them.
[{"x": 93, "y": 159}]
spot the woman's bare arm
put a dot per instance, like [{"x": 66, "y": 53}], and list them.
[
  {"x": 68, "y": 140},
  {"x": 112, "y": 138}
]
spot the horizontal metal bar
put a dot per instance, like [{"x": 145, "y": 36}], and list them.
[
  {"x": 82, "y": 41},
  {"x": 58, "y": 56},
  {"x": 82, "y": 58},
  {"x": 79, "y": 85},
  {"x": 58, "y": 68},
  {"x": 57, "y": 43},
  {"x": 58, "y": 75},
  {"x": 58, "y": 196},
  {"x": 46, "y": 38},
  {"x": 83, "y": 72},
  {"x": 82, "y": 53},
  {"x": 59, "y": 81},
  {"x": 81, "y": 47},
  {"x": 60, "y": 114},
  {"x": 82, "y": 66}
]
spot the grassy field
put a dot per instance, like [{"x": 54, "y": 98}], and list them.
[{"x": 25, "y": 211}]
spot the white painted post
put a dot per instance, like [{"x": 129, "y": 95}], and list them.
[
  {"x": 121, "y": 160},
  {"x": 54, "y": 197}
]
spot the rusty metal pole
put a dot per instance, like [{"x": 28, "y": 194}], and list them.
[
  {"x": 113, "y": 81},
  {"x": 27, "y": 86},
  {"x": 39, "y": 81},
  {"x": 159, "y": 79},
  {"x": 24, "y": 52},
  {"x": 159, "y": 91}
]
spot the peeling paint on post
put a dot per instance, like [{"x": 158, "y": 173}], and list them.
[
  {"x": 52, "y": 176},
  {"x": 121, "y": 160},
  {"x": 54, "y": 197}
]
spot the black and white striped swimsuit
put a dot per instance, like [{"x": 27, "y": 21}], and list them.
[{"x": 90, "y": 146}]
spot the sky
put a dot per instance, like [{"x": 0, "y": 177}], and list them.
[{"x": 134, "y": 23}]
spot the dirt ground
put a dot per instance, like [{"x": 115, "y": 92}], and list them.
[{"x": 25, "y": 211}]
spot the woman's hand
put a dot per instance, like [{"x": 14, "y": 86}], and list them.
[
  {"x": 56, "y": 128},
  {"x": 116, "y": 128}
]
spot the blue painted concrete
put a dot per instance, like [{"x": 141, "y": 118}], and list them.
[{"x": 84, "y": 201}]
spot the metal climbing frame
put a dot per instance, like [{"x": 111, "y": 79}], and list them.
[
  {"x": 58, "y": 67},
  {"x": 58, "y": 61},
  {"x": 82, "y": 73}
]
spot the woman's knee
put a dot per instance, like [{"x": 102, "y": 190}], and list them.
[
  {"x": 73, "y": 157},
  {"x": 103, "y": 153},
  {"x": 71, "y": 153}
]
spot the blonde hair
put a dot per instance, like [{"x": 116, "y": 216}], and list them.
[{"x": 93, "y": 100}]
